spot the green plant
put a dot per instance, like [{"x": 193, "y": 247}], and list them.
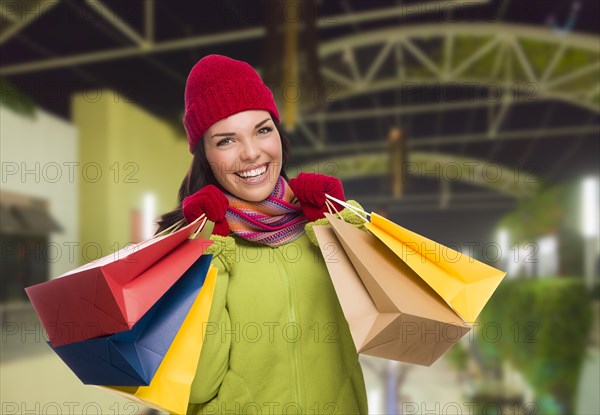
[
  {"x": 536, "y": 216},
  {"x": 595, "y": 292},
  {"x": 552, "y": 211},
  {"x": 542, "y": 327}
]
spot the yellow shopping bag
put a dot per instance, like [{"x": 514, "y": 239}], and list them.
[
  {"x": 170, "y": 388},
  {"x": 463, "y": 282}
]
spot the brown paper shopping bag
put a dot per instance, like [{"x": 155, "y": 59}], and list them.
[
  {"x": 391, "y": 311},
  {"x": 465, "y": 283}
]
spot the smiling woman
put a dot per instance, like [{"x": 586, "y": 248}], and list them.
[
  {"x": 277, "y": 340},
  {"x": 246, "y": 159}
]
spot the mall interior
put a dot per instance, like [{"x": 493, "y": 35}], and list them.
[{"x": 475, "y": 123}]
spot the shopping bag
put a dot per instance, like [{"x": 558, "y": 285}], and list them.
[
  {"x": 111, "y": 294},
  {"x": 170, "y": 388},
  {"x": 131, "y": 358},
  {"x": 392, "y": 313},
  {"x": 463, "y": 282}
]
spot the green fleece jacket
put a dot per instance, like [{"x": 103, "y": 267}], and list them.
[{"x": 277, "y": 340}]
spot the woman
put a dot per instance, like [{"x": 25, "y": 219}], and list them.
[{"x": 277, "y": 340}]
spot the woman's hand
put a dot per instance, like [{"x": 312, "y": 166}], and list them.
[
  {"x": 310, "y": 189},
  {"x": 210, "y": 201}
]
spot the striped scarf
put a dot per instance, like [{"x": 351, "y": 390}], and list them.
[{"x": 274, "y": 221}]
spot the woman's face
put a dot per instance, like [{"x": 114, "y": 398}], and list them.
[{"x": 244, "y": 153}]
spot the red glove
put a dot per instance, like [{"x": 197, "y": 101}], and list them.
[
  {"x": 310, "y": 189},
  {"x": 210, "y": 201}
]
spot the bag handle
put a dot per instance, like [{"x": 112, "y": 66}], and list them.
[
  {"x": 200, "y": 228},
  {"x": 177, "y": 225},
  {"x": 358, "y": 212},
  {"x": 170, "y": 229},
  {"x": 331, "y": 208}
]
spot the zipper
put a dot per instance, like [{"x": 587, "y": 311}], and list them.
[{"x": 292, "y": 316}]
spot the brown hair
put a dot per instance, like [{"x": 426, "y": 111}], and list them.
[{"x": 200, "y": 174}]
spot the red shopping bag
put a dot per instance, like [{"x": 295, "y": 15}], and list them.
[{"x": 111, "y": 294}]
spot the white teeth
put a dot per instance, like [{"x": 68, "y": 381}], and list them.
[{"x": 253, "y": 173}]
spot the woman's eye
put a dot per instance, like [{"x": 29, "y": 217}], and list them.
[
  {"x": 265, "y": 130},
  {"x": 223, "y": 142}
]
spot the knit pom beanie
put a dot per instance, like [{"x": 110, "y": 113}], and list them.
[{"x": 218, "y": 87}]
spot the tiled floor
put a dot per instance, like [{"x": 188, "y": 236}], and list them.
[
  {"x": 34, "y": 380},
  {"x": 432, "y": 390},
  {"x": 588, "y": 397}
]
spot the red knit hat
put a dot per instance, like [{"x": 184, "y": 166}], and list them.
[{"x": 218, "y": 87}]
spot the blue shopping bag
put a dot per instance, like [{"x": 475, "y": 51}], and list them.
[{"x": 132, "y": 357}]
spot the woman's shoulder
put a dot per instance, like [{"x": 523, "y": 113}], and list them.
[
  {"x": 223, "y": 249},
  {"x": 230, "y": 249}
]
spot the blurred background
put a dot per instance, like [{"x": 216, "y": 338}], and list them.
[{"x": 475, "y": 123}]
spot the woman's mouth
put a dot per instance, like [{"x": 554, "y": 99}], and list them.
[{"x": 254, "y": 176}]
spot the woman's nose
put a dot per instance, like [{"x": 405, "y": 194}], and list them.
[{"x": 250, "y": 151}]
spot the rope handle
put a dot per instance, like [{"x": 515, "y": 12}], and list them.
[
  {"x": 200, "y": 228},
  {"x": 170, "y": 229},
  {"x": 358, "y": 212},
  {"x": 330, "y": 207},
  {"x": 177, "y": 226}
]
